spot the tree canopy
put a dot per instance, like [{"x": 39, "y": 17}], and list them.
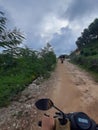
[{"x": 88, "y": 35}]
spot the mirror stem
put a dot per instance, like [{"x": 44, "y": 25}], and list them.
[{"x": 59, "y": 110}]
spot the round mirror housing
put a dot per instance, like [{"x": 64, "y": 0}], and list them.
[{"x": 44, "y": 104}]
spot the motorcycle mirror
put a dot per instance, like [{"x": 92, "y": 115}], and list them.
[{"x": 44, "y": 104}]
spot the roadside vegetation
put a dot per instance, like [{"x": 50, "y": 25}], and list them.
[
  {"x": 86, "y": 54},
  {"x": 20, "y": 66}
]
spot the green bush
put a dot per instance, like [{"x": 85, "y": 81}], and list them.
[{"x": 17, "y": 71}]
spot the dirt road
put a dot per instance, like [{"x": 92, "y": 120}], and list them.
[
  {"x": 70, "y": 88},
  {"x": 75, "y": 90}
]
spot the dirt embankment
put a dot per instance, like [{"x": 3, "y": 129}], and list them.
[{"x": 70, "y": 88}]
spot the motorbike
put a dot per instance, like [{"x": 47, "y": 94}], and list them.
[
  {"x": 77, "y": 120},
  {"x": 62, "y": 60}
]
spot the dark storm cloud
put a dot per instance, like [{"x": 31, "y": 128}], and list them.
[{"x": 78, "y": 9}]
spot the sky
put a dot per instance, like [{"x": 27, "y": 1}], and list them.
[{"x": 58, "y": 22}]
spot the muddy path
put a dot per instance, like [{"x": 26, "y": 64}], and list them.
[{"x": 75, "y": 90}]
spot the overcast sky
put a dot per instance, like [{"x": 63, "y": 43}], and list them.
[{"x": 59, "y": 22}]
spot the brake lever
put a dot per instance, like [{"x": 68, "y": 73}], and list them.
[{"x": 61, "y": 118}]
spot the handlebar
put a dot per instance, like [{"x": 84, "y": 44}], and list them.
[{"x": 77, "y": 120}]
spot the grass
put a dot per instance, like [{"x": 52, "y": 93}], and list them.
[
  {"x": 13, "y": 81},
  {"x": 10, "y": 86}
]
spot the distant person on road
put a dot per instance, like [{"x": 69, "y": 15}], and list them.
[{"x": 62, "y": 58}]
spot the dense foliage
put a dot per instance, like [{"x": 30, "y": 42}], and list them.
[
  {"x": 88, "y": 36},
  {"x": 87, "y": 52},
  {"x": 20, "y": 66}
]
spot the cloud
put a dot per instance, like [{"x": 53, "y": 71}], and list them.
[
  {"x": 50, "y": 25},
  {"x": 39, "y": 20},
  {"x": 57, "y": 21},
  {"x": 80, "y": 13},
  {"x": 80, "y": 9},
  {"x": 63, "y": 42}
]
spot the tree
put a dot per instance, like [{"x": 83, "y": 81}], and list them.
[
  {"x": 80, "y": 42},
  {"x": 88, "y": 35},
  {"x": 93, "y": 28},
  {"x": 9, "y": 39},
  {"x": 48, "y": 57},
  {"x": 2, "y": 22}
]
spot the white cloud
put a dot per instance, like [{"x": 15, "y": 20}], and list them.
[
  {"x": 50, "y": 25},
  {"x": 57, "y": 21}
]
